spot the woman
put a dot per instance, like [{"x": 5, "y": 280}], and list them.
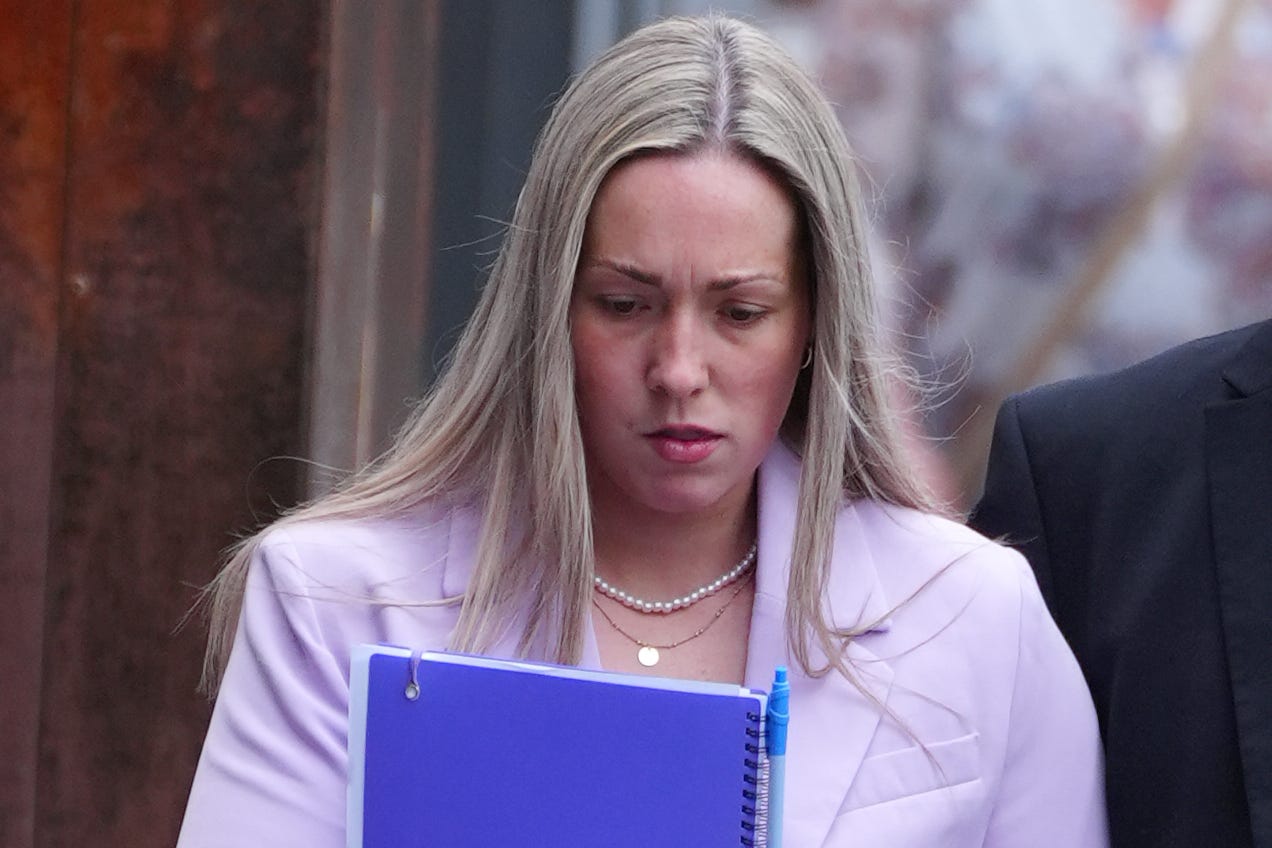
[{"x": 669, "y": 410}]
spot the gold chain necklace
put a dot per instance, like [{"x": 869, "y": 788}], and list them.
[{"x": 647, "y": 653}]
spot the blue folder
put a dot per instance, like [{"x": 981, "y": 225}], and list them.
[{"x": 457, "y": 751}]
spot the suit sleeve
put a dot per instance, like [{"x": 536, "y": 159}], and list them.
[
  {"x": 1009, "y": 508},
  {"x": 1051, "y": 791},
  {"x": 272, "y": 771}
]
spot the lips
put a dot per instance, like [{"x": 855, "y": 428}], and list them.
[
  {"x": 685, "y": 432},
  {"x": 684, "y": 443}
]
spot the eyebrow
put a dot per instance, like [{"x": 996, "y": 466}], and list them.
[{"x": 720, "y": 284}]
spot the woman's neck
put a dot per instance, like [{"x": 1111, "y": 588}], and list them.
[{"x": 656, "y": 555}]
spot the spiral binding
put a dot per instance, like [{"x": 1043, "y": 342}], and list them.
[{"x": 755, "y": 794}]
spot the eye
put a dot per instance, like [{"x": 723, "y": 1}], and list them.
[
  {"x": 743, "y": 314},
  {"x": 620, "y": 306}
]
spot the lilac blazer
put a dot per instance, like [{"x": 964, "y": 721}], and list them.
[{"x": 964, "y": 656}]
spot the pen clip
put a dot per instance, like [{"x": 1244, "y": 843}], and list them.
[{"x": 413, "y": 684}]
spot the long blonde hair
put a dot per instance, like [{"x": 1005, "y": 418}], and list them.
[{"x": 500, "y": 430}]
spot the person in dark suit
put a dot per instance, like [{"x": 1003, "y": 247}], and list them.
[{"x": 1143, "y": 500}]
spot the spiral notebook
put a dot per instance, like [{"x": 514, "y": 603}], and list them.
[{"x": 461, "y": 751}]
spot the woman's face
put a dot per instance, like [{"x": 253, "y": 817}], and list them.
[{"x": 690, "y": 317}]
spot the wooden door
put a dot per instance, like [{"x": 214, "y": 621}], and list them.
[{"x": 159, "y": 172}]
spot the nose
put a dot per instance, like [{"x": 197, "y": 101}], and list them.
[{"x": 678, "y": 364}]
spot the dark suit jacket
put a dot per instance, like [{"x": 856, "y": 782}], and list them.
[{"x": 1143, "y": 500}]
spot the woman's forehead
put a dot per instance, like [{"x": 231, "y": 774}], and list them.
[{"x": 659, "y": 214}]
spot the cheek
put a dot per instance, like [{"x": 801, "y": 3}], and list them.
[
  {"x": 770, "y": 388},
  {"x": 583, "y": 345},
  {"x": 596, "y": 374}
]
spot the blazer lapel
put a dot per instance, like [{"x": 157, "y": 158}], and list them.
[
  {"x": 1239, "y": 465},
  {"x": 832, "y": 720}
]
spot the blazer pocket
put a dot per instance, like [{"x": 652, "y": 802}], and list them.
[{"x": 913, "y": 771}]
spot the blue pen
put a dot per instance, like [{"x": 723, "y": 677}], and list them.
[{"x": 778, "y": 716}]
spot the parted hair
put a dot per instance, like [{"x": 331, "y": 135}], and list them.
[{"x": 499, "y": 430}]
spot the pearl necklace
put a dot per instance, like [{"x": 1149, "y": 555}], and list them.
[
  {"x": 704, "y": 591},
  {"x": 648, "y": 654}
]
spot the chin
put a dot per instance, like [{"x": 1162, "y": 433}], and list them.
[{"x": 682, "y": 500}]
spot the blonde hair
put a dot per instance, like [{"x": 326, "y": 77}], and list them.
[{"x": 500, "y": 430}]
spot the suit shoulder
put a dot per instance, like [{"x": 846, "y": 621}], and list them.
[
  {"x": 916, "y": 548},
  {"x": 1177, "y": 374},
  {"x": 366, "y": 556},
  {"x": 951, "y": 595},
  {"x": 1162, "y": 397}
]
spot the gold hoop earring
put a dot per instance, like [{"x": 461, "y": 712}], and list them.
[{"x": 808, "y": 357}]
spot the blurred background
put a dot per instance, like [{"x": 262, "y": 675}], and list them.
[{"x": 238, "y": 235}]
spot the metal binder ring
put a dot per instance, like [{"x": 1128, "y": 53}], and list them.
[{"x": 413, "y": 685}]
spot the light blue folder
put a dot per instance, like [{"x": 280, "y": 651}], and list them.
[{"x": 502, "y": 753}]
